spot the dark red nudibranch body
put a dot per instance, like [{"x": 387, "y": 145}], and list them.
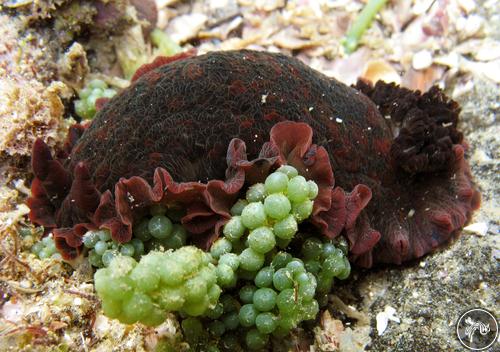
[{"x": 389, "y": 161}]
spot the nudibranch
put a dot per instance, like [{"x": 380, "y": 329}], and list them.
[{"x": 190, "y": 131}]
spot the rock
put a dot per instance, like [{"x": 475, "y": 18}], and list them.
[{"x": 421, "y": 60}]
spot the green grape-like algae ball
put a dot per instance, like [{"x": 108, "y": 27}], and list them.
[
  {"x": 283, "y": 279},
  {"x": 312, "y": 248},
  {"x": 286, "y": 228},
  {"x": 234, "y": 228},
  {"x": 95, "y": 259},
  {"x": 277, "y": 206},
  {"x": 37, "y": 247},
  {"x": 100, "y": 247},
  {"x": 288, "y": 170},
  {"x": 313, "y": 189},
  {"x": 141, "y": 230},
  {"x": 302, "y": 210},
  {"x": 247, "y": 315},
  {"x": 264, "y": 277},
  {"x": 220, "y": 247},
  {"x": 238, "y": 207},
  {"x": 216, "y": 328},
  {"x": 253, "y": 215},
  {"x": 264, "y": 299},
  {"x": 286, "y": 301},
  {"x": 108, "y": 256},
  {"x": 104, "y": 235},
  {"x": 276, "y": 182},
  {"x": 298, "y": 189},
  {"x": 280, "y": 260},
  {"x": 246, "y": 293},
  {"x": 46, "y": 248},
  {"x": 138, "y": 246},
  {"x": 231, "y": 320},
  {"x": 261, "y": 240},
  {"x": 90, "y": 239},
  {"x": 256, "y": 193},
  {"x": 251, "y": 260},
  {"x": 266, "y": 322},
  {"x": 127, "y": 249},
  {"x": 85, "y": 106},
  {"x": 177, "y": 238},
  {"x": 230, "y": 259},
  {"x": 225, "y": 276},
  {"x": 160, "y": 226},
  {"x": 256, "y": 340}
]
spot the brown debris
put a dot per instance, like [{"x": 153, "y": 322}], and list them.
[
  {"x": 380, "y": 70},
  {"x": 73, "y": 66},
  {"x": 29, "y": 110}
]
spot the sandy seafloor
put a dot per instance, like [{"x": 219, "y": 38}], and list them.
[{"x": 46, "y": 306}]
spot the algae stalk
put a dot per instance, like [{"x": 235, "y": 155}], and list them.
[{"x": 360, "y": 24}]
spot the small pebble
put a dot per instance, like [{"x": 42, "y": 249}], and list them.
[
  {"x": 383, "y": 319},
  {"x": 478, "y": 228},
  {"x": 421, "y": 60}
]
